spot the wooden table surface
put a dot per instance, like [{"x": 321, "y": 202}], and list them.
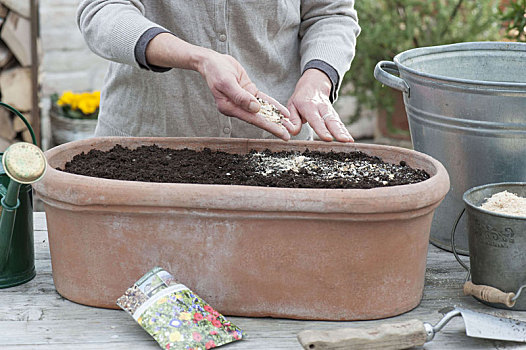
[{"x": 35, "y": 316}]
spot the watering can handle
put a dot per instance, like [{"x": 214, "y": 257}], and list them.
[
  {"x": 489, "y": 294},
  {"x": 384, "y": 73},
  {"x": 26, "y": 123}
]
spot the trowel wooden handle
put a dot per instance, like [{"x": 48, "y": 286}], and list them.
[
  {"x": 391, "y": 336},
  {"x": 489, "y": 294}
]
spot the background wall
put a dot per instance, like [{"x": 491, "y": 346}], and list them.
[{"x": 67, "y": 63}]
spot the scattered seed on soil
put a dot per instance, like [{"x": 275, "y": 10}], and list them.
[
  {"x": 270, "y": 112},
  {"x": 292, "y": 169},
  {"x": 506, "y": 203}
]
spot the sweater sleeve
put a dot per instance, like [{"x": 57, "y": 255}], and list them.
[
  {"x": 140, "y": 50},
  {"x": 328, "y": 33},
  {"x": 112, "y": 28}
]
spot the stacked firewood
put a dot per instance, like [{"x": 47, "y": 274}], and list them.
[{"x": 15, "y": 70}]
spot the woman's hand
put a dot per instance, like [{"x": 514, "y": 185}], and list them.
[
  {"x": 310, "y": 103},
  {"x": 235, "y": 94}
]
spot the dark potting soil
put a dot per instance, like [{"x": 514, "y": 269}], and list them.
[{"x": 309, "y": 169}]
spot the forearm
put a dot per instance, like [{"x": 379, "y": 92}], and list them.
[{"x": 167, "y": 50}]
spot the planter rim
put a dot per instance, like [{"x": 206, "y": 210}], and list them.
[{"x": 81, "y": 190}]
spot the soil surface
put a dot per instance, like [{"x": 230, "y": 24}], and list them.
[{"x": 309, "y": 169}]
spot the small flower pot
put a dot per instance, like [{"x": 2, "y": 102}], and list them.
[
  {"x": 327, "y": 254},
  {"x": 65, "y": 129}
]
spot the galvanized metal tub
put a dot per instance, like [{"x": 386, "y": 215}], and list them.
[
  {"x": 466, "y": 107},
  {"x": 497, "y": 243}
]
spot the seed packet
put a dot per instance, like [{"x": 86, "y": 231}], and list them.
[{"x": 174, "y": 316}]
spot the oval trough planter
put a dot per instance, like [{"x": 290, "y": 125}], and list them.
[{"x": 328, "y": 254}]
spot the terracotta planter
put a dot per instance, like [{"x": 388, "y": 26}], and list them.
[{"x": 250, "y": 251}]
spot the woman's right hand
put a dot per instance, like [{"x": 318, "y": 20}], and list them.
[{"x": 235, "y": 94}]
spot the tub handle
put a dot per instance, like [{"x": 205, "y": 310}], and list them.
[
  {"x": 385, "y": 72},
  {"x": 489, "y": 294}
]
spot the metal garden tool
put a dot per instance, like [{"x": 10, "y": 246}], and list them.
[
  {"x": 22, "y": 164},
  {"x": 412, "y": 333}
]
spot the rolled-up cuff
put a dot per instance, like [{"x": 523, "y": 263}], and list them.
[
  {"x": 142, "y": 44},
  {"x": 331, "y": 73}
]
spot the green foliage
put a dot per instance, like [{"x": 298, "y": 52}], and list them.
[
  {"x": 513, "y": 16},
  {"x": 393, "y": 26}
]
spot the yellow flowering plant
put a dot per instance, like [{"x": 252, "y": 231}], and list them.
[{"x": 83, "y": 105}]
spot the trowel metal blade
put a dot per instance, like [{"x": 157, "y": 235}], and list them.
[{"x": 486, "y": 326}]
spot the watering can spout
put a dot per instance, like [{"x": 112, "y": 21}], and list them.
[{"x": 23, "y": 163}]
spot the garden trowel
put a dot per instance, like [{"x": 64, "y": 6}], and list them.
[{"x": 412, "y": 333}]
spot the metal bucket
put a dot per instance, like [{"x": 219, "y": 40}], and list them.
[
  {"x": 497, "y": 243},
  {"x": 466, "y": 107}
]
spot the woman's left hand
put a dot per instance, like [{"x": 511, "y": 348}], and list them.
[{"x": 310, "y": 103}]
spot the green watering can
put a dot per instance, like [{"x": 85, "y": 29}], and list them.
[{"x": 22, "y": 164}]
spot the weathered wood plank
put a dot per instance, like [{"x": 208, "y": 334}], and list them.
[
  {"x": 39, "y": 221},
  {"x": 16, "y": 34},
  {"x": 15, "y": 84},
  {"x": 35, "y": 316}
]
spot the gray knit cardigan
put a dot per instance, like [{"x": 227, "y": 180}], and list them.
[{"x": 272, "y": 39}]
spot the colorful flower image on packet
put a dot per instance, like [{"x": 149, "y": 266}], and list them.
[{"x": 174, "y": 316}]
